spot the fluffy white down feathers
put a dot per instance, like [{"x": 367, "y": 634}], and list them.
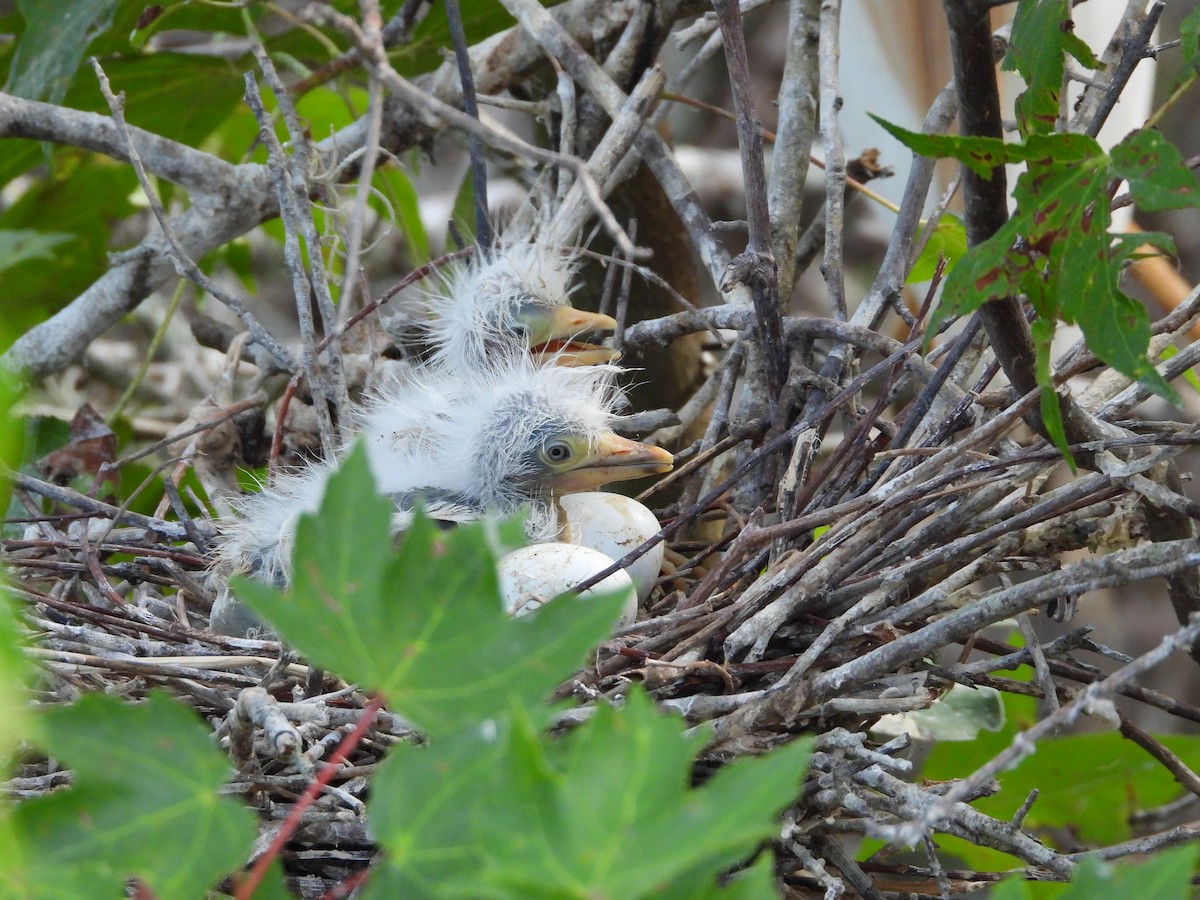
[
  {"x": 509, "y": 411},
  {"x": 464, "y": 444},
  {"x": 482, "y": 305}
]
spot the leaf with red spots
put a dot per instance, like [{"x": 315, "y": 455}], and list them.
[
  {"x": 1042, "y": 36},
  {"x": 1157, "y": 175},
  {"x": 982, "y": 154},
  {"x": 1056, "y": 250},
  {"x": 979, "y": 154}
]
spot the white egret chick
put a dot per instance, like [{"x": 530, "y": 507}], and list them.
[
  {"x": 516, "y": 294},
  {"x": 512, "y": 435}
]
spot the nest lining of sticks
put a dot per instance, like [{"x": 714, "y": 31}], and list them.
[
  {"x": 840, "y": 546},
  {"x": 761, "y": 629}
]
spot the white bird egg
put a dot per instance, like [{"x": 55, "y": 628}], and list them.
[
  {"x": 614, "y": 524},
  {"x": 535, "y": 575}
]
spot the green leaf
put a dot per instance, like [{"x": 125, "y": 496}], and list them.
[
  {"x": 431, "y": 37},
  {"x": 1116, "y": 327},
  {"x": 180, "y": 96},
  {"x": 19, "y": 156},
  {"x": 177, "y": 15},
  {"x": 1189, "y": 375},
  {"x": 83, "y": 203},
  {"x": 15, "y": 671},
  {"x": 274, "y": 884},
  {"x": 1049, "y": 404},
  {"x": 237, "y": 258},
  {"x": 1164, "y": 876},
  {"x": 423, "y": 803},
  {"x": 425, "y": 625},
  {"x": 1091, "y": 784},
  {"x": 1157, "y": 175},
  {"x": 463, "y": 212},
  {"x": 17, "y": 245},
  {"x": 500, "y": 809},
  {"x": 979, "y": 154},
  {"x": 1042, "y": 35},
  {"x": 405, "y": 204},
  {"x": 329, "y": 111},
  {"x": 959, "y": 715},
  {"x": 153, "y": 85},
  {"x": 144, "y": 804},
  {"x": 1013, "y": 888},
  {"x": 982, "y": 154},
  {"x": 1189, "y": 38},
  {"x": 24, "y": 441},
  {"x": 948, "y": 241},
  {"x": 1058, "y": 252},
  {"x": 753, "y": 883},
  {"x": 608, "y": 812},
  {"x": 57, "y": 33}
]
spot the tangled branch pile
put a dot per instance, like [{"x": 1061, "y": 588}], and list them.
[{"x": 850, "y": 512}]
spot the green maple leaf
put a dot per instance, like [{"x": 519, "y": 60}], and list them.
[
  {"x": 948, "y": 242},
  {"x": 982, "y": 154},
  {"x": 1157, "y": 174},
  {"x": 1042, "y": 36},
  {"x": 424, "y": 800},
  {"x": 609, "y": 811},
  {"x": 1189, "y": 38},
  {"x": 144, "y": 804},
  {"x": 605, "y": 811},
  {"x": 1057, "y": 249}
]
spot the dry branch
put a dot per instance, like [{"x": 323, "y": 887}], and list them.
[{"x": 850, "y": 512}]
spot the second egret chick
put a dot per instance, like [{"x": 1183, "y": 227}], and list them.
[{"x": 516, "y": 294}]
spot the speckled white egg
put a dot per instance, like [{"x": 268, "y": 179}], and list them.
[
  {"x": 614, "y": 524},
  {"x": 534, "y": 575}
]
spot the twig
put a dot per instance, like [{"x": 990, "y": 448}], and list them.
[
  {"x": 551, "y": 35},
  {"x": 170, "y": 530},
  {"x": 483, "y": 225},
  {"x": 1025, "y": 743},
  {"x": 296, "y": 206},
  {"x": 793, "y": 141},
  {"x": 185, "y": 265},
  {"x": 835, "y": 157},
  {"x": 1133, "y": 51},
  {"x": 756, "y": 266},
  {"x": 284, "y": 178},
  {"x": 432, "y": 108},
  {"x": 985, "y": 200},
  {"x": 227, "y": 200},
  {"x": 1170, "y": 761},
  {"x": 247, "y": 884}
]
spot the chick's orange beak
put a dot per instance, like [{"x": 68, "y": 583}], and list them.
[
  {"x": 614, "y": 459},
  {"x": 557, "y": 332}
]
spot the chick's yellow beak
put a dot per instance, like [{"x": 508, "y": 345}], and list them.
[
  {"x": 614, "y": 458},
  {"x": 554, "y": 333}
]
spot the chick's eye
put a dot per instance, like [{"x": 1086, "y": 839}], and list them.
[{"x": 558, "y": 452}]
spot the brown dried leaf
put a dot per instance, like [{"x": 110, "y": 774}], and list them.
[{"x": 92, "y": 445}]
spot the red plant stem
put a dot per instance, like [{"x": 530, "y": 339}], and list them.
[{"x": 248, "y": 884}]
